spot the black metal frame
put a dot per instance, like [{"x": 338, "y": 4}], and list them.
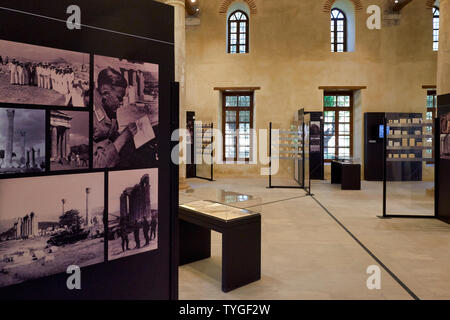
[
  {"x": 303, "y": 165},
  {"x": 210, "y": 126},
  {"x": 385, "y": 215}
]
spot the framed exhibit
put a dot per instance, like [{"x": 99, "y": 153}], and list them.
[
  {"x": 443, "y": 158},
  {"x": 22, "y": 141},
  {"x": 445, "y": 136},
  {"x": 86, "y": 117},
  {"x": 126, "y": 113},
  {"x": 132, "y": 212},
  {"x": 40, "y": 75},
  {"x": 52, "y": 229}
]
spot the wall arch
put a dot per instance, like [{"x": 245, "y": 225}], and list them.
[
  {"x": 347, "y": 6},
  {"x": 432, "y": 3},
  {"x": 329, "y": 5},
  {"x": 226, "y": 4}
]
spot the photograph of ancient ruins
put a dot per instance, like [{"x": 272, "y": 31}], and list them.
[
  {"x": 445, "y": 136},
  {"x": 126, "y": 113},
  {"x": 32, "y": 74},
  {"x": 59, "y": 224},
  {"x": 69, "y": 134},
  {"x": 22, "y": 141},
  {"x": 133, "y": 212}
]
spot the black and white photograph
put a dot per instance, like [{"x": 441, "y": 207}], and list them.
[
  {"x": 60, "y": 224},
  {"x": 45, "y": 76},
  {"x": 22, "y": 141},
  {"x": 315, "y": 137},
  {"x": 126, "y": 115},
  {"x": 69, "y": 134},
  {"x": 133, "y": 212},
  {"x": 445, "y": 136}
]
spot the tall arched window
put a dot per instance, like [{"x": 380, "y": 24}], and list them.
[
  {"x": 338, "y": 31},
  {"x": 435, "y": 29},
  {"x": 238, "y": 35}
]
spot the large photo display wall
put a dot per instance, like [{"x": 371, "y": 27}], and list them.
[{"x": 85, "y": 121}]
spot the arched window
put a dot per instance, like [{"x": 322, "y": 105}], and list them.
[
  {"x": 238, "y": 35},
  {"x": 435, "y": 29},
  {"x": 338, "y": 31}
]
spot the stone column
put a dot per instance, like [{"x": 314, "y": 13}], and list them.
[
  {"x": 141, "y": 85},
  {"x": 443, "y": 73},
  {"x": 86, "y": 223},
  {"x": 58, "y": 152},
  {"x": 9, "y": 137},
  {"x": 180, "y": 62},
  {"x": 33, "y": 158},
  {"x": 63, "y": 143},
  {"x": 67, "y": 150},
  {"x": 54, "y": 143},
  {"x": 24, "y": 156},
  {"x": 31, "y": 223}
]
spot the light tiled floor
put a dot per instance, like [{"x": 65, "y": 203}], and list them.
[{"x": 308, "y": 255}]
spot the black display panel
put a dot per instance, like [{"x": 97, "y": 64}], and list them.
[
  {"x": 443, "y": 158},
  {"x": 56, "y": 178}
]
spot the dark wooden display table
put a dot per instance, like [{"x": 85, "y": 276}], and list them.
[
  {"x": 241, "y": 240},
  {"x": 347, "y": 174}
]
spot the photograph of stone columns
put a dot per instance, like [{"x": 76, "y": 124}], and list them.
[
  {"x": 22, "y": 141},
  {"x": 69, "y": 134},
  {"x": 45, "y": 76},
  {"x": 59, "y": 224},
  {"x": 133, "y": 212},
  {"x": 126, "y": 115}
]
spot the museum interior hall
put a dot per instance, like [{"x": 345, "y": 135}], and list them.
[
  {"x": 329, "y": 120},
  {"x": 197, "y": 151}
]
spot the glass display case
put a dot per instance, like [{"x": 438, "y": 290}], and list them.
[
  {"x": 204, "y": 151},
  {"x": 409, "y": 164},
  {"x": 286, "y": 147}
]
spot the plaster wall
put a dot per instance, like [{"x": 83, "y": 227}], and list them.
[{"x": 290, "y": 58}]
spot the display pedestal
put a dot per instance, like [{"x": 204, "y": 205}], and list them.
[
  {"x": 241, "y": 240},
  {"x": 348, "y": 175}
]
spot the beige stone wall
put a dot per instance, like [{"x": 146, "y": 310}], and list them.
[{"x": 290, "y": 58}]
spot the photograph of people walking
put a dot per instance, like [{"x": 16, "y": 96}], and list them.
[
  {"x": 39, "y": 75},
  {"x": 133, "y": 212},
  {"x": 126, "y": 114}
]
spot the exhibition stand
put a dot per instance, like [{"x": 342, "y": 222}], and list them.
[
  {"x": 204, "y": 150},
  {"x": 443, "y": 158},
  {"x": 347, "y": 174},
  {"x": 408, "y": 185},
  {"x": 241, "y": 240},
  {"x": 98, "y": 193}
]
